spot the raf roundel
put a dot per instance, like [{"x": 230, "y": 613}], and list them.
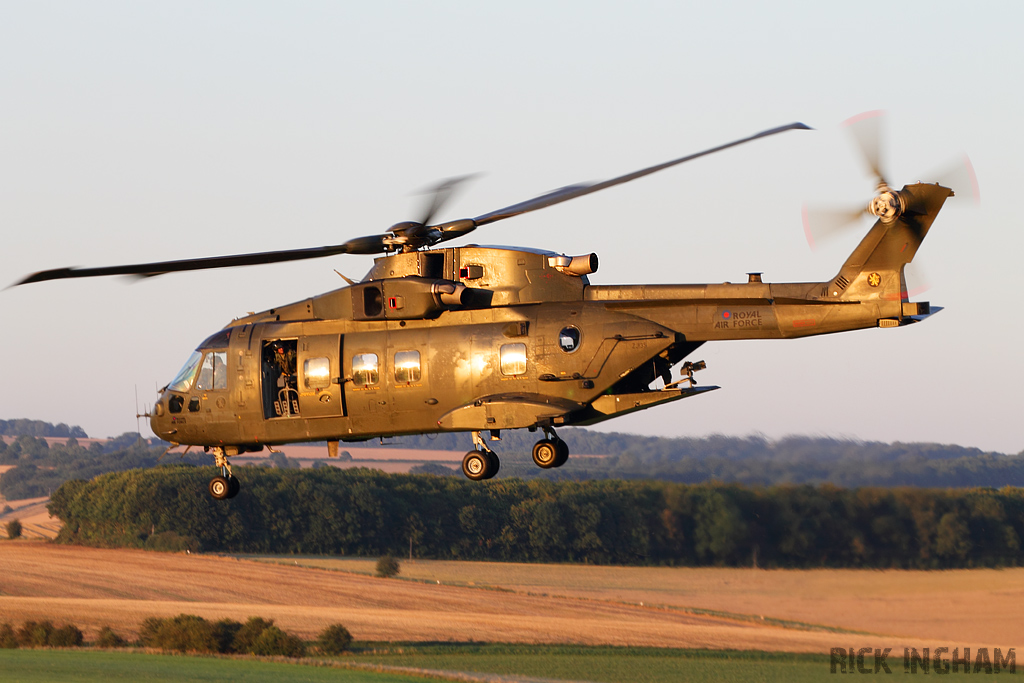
[{"x": 726, "y": 315}]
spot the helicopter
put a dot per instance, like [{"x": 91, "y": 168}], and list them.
[{"x": 482, "y": 339}]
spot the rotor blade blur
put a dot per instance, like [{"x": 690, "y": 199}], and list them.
[
  {"x": 564, "y": 194},
  {"x": 822, "y": 224},
  {"x": 916, "y": 278},
  {"x": 372, "y": 244},
  {"x": 439, "y": 196},
  {"x": 866, "y": 130},
  {"x": 958, "y": 176}
]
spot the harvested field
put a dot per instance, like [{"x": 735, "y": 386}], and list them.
[
  {"x": 92, "y": 587},
  {"x": 35, "y": 518},
  {"x": 952, "y": 605}
]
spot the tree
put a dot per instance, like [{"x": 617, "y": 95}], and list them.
[
  {"x": 273, "y": 641},
  {"x": 14, "y": 528},
  {"x": 8, "y": 639},
  {"x": 334, "y": 640},
  {"x": 66, "y": 636},
  {"x": 108, "y": 638},
  {"x": 952, "y": 537},
  {"x": 387, "y": 567}
]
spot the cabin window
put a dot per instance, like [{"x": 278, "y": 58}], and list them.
[
  {"x": 317, "y": 373},
  {"x": 569, "y": 339},
  {"x": 214, "y": 372},
  {"x": 365, "y": 369},
  {"x": 513, "y": 359},
  {"x": 187, "y": 373},
  {"x": 407, "y": 367}
]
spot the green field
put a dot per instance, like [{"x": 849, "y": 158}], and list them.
[
  {"x": 60, "y": 666},
  {"x": 440, "y": 661},
  {"x": 605, "y": 664}
]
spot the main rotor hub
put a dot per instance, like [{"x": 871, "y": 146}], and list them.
[{"x": 887, "y": 206}]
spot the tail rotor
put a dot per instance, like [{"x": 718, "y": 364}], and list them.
[{"x": 867, "y": 133}]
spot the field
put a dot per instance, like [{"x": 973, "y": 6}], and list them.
[
  {"x": 49, "y": 666},
  {"x": 35, "y": 518},
  {"x": 952, "y": 606},
  {"x": 728, "y": 609},
  {"x": 599, "y": 666}
]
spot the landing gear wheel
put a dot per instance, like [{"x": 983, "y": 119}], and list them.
[
  {"x": 475, "y": 465},
  {"x": 478, "y": 465},
  {"x": 563, "y": 452},
  {"x": 220, "y": 488},
  {"x": 233, "y": 486},
  {"x": 494, "y": 465},
  {"x": 545, "y": 453}
]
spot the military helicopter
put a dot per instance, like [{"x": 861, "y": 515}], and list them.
[{"x": 483, "y": 339}]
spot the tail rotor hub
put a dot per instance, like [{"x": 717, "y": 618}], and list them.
[{"x": 887, "y": 206}]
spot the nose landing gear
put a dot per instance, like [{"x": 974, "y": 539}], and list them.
[
  {"x": 481, "y": 463},
  {"x": 225, "y": 485}
]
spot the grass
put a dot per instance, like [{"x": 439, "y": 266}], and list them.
[
  {"x": 602, "y": 664},
  {"x": 570, "y": 663},
  {"x": 612, "y": 664},
  {"x": 84, "y": 666}
]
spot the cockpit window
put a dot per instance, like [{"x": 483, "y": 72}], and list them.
[
  {"x": 213, "y": 374},
  {"x": 218, "y": 339},
  {"x": 188, "y": 372}
]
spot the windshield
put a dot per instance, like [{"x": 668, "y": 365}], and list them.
[{"x": 187, "y": 373}]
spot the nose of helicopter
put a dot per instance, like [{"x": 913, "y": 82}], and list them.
[{"x": 160, "y": 421}]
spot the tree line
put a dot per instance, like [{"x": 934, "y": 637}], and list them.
[
  {"x": 40, "y": 469},
  {"x": 22, "y": 427},
  {"x": 370, "y": 513}
]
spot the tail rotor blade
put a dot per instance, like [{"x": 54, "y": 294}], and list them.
[
  {"x": 959, "y": 176},
  {"x": 823, "y": 224},
  {"x": 866, "y": 130},
  {"x": 917, "y": 279}
]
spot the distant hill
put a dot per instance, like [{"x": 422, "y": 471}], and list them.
[
  {"x": 24, "y": 427},
  {"x": 752, "y": 460}
]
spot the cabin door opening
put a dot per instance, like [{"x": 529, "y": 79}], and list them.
[{"x": 280, "y": 382}]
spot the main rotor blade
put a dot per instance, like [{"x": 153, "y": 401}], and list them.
[
  {"x": 866, "y": 130},
  {"x": 372, "y": 244},
  {"x": 572, "y": 191},
  {"x": 440, "y": 194}
]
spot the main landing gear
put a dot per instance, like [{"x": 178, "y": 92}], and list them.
[
  {"x": 550, "y": 451},
  {"x": 225, "y": 485},
  {"x": 481, "y": 463}
]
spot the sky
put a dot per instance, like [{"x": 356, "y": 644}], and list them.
[{"x": 134, "y": 132}]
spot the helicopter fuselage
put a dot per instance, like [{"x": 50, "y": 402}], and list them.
[{"x": 489, "y": 338}]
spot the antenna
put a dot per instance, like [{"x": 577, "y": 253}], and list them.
[{"x": 146, "y": 413}]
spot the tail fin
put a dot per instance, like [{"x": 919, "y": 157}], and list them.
[{"x": 875, "y": 268}]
